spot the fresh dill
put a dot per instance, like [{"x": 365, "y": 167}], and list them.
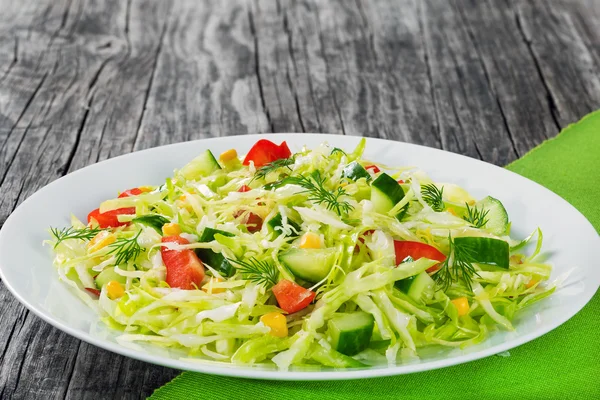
[
  {"x": 273, "y": 166},
  {"x": 86, "y": 233},
  {"x": 476, "y": 217},
  {"x": 125, "y": 249},
  {"x": 260, "y": 272},
  {"x": 433, "y": 196},
  {"x": 458, "y": 264},
  {"x": 314, "y": 186},
  {"x": 337, "y": 150}
]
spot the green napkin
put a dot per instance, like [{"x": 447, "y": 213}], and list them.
[{"x": 564, "y": 363}]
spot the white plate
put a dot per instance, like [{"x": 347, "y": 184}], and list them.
[{"x": 27, "y": 271}]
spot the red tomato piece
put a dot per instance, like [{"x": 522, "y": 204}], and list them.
[
  {"x": 95, "y": 292},
  {"x": 132, "y": 192},
  {"x": 264, "y": 152},
  {"x": 110, "y": 218},
  {"x": 417, "y": 250},
  {"x": 375, "y": 168},
  {"x": 244, "y": 188},
  {"x": 292, "y": 297},
  {"x": 184, "y": 268},
  {"x": 400, "y": 181},
  {"x": 252, "y": 221}
]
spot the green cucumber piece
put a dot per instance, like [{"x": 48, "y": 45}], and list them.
[
  {"x": 385, "y": 194},
  {"x": 419, "y": 287},
  {"x": 355, "y": 171},
  {"x": 107, "y": 275},
  {"x": 350, "y": 333},
  {"x": 312, "y": 265},
  {"x": 203, "y": 165},
  {"x": 485, "y": 250},
  {"x": 152, "y": 220},
  {"x": 212, "y": 258},
  {"x": 497, "y": 216},
  {"x": 276, "y": 222}
]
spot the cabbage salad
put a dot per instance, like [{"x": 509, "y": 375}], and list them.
[{"x": 314, "y": 258}]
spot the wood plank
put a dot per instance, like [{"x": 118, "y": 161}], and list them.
[{"x": 205, "y": 82}]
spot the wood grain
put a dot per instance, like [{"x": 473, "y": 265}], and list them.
[{"x": 82, "y": 81}]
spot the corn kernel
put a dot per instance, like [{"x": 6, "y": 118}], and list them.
[
  {"x": 310, "y": 241},
  {"x": 115, "y": 290},
  {"x": 228, "y": 155},
  {"x": 471, "y": 202},
  {"x": 171, "y": 229},
  {"x": 102, "y": 239},
  {"x": 531, "y": 283},
  {"x": 277, "y": 322},
  {"x": 451, "y": 211},
  {"x": 462, "y": 305},
  {"x": 208, "y": 287}
]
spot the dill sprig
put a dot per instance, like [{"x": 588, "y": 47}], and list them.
[
  {"x": 125, "y": 249},
  {"x": 273, "y": 166},
  {"x": 314, "y": 186},
  {"x": 433, "y": 196},
  {"x": 458, "y": 264},
  {"x": 260, "y": 272},
  {"x": 476, "y": 217},
  {"x": 61, "y": 235}
]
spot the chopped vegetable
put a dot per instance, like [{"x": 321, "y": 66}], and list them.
[{"x": 292, "y": 297}]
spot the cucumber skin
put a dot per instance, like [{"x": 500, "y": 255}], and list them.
[
  {"x": 486, "y": 250},
  {"x": 390, "y": 189},
  {"x": 214, "y": 259},
  {"x": 300, "y": 271},
  {"x": 355, "y": 171},
  {"x": 351, "y": 342},
  {"x": 276, "y": 222}
]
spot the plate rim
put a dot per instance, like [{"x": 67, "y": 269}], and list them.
[{"x": 292, "y": 375}]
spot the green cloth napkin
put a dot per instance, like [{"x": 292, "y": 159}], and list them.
[{"x": 562, "y": 364}]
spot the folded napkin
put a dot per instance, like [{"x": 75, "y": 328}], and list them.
[{"x": 562, "y": 364}]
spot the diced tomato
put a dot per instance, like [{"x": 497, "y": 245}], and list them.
[
  {"x": 132, "y": 192},
  {"x": 252, "y": 221},
  {"x": 400, "y": 181},
  {"x": 375, "y": 168},
  {"x": 184, "y": 268},
  {"x": 292, "y": 297},
  {"x": 417, "y": 250},
  {"x": 110, "y": 218},
  {"x": 244, "y": 188},
  {"x": 264, "y": 152},
  {"x": 95, "y": 292}
]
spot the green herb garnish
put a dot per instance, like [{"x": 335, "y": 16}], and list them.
[
  {"x": 152, "y": 220},
  {"x": 476, "y": 217},
  {"x": 433, "y": 196},
  {"x": 314, "y": 185},
  {"x": 125, "y": 249},
  {"x": 273, "y": 166},
  {"x": 72, "y": 233},
  {"x": 458, "y": 264},
  {"x": 260, "y": 272}
]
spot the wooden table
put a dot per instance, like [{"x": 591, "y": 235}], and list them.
[{"x": 83, "y": 81}]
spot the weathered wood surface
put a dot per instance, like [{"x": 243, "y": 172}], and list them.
[{"x": 83, "y": 81}]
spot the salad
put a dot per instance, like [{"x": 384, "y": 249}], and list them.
[{"x": 318, "y": 258}]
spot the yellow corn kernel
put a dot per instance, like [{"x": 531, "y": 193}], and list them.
[
  {"x": 102, "y": 239},
  {"x": 208, "y": 287},
  {"x": 277, "y": 322},
  {"x": 531, "y": 283},
  {"x": 310, "y": 241},
  {"x": 228, "y": 155},
  {"x": 115, "y": 290},
  {"x": 451, "y": 211},
  {"x": 462, "y": 305},
  {"x": 171, "y": 229},
  {"x": 471, "y": 202}
]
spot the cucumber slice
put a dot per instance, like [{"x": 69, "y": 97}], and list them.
[
  {"x": 276, "y": 222},
  {"x": 497, "y": 216},
  {"x": 203, "y": 165},
  {"x": 385, "y": 194},
  {"x": 107, "y": 275},
  {"x": 350, "y": 333},
  {"x": 355, "y": 171},
  {"x": 419, "y": 287},
  {"x": 214, "y": 259},
  {"x": 485, "y": 250},
  {"x": 312, "y": 265}
]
